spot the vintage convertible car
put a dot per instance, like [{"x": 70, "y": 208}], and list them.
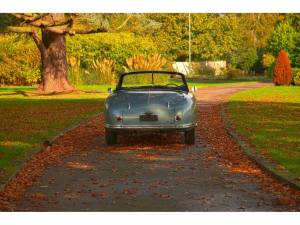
[{"x": 150, "y": 101}]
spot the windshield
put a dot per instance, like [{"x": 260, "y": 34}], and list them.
[{"x": 153, "y": 80}]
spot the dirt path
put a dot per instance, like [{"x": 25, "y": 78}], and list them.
[{"x": 158, "y": 172}]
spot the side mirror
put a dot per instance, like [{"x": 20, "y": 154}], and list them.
[{"x": 109, "y": 90}]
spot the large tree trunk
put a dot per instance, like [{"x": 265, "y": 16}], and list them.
[{"x": 54, "y": 63}]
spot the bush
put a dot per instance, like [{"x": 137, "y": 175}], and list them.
[
  {"x": 296, "y": 78},
  {"x": 234, "y": 73},
  {"x": 268, "y": 62},
  {"x": 282, "y": 71},
  {"x": 142, "y": 62},
  {"x": 106, "y": 71},
  {"x": 271, "y": 70},
  {"x": 207, "y": 71},
  {"x": 19, "y": 60},
  {"x": 74, "y": 71},
  {"x": 115, "y": 46}
]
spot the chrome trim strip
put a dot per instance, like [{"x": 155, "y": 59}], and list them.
[{"x": 171, "y": 126}]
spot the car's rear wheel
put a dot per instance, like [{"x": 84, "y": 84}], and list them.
[
  {"x": 111, "y": 137},
  {"x": 189, "y": 136}
]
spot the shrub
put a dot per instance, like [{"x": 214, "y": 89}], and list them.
[
  {"x": 106, "y": 70},
  {"x": 296, "y": 78},
  {"x": 270, "y": 71},
  {"x": 115, "y": 46},
  {"x": 282, "y": 71},
  {"x": 234, "y": 73},
  {"x": 207, "y": 71},
  {"x": 268, "y": 62},
  {"x": 142, "y": 62},
  {"x": 74, "y": 70},
  {"x": 19, "y": 60}
]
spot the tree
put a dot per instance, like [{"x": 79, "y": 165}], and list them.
[
  {"x": 283, "y": 37},
  {"x": 214, "y": 36},
  {"x": 252, "y": 34},
  {"x": 282, "y": 71},
  {"x": 52, "y": 43}
]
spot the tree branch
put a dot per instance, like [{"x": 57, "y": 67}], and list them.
[
  {"x": 37, "y": 40},
  {"x": 11, "y": 29},
  {"x": 44, "y": 19},
  {"x": 72, "y": 31}
]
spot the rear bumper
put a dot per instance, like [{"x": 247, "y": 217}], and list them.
[{"x": 176, "y": 127}]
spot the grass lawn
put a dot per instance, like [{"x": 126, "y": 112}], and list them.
[
  {"x": 27, "y": 119},
  {"x": 270, "y": 118}
]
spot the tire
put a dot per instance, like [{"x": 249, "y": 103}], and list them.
[
  {"x": 110, "y": 137},
  {"x": 189, "y": 137}
]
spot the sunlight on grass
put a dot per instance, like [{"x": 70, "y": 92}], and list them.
[{"x": 270, "y": 118}]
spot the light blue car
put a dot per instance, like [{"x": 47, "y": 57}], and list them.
[{"x": 150, "y": 101}]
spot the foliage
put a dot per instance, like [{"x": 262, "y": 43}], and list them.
[
  {"x": 115, "y": 46},
  {"x": 142, "y": 62},
  {"x": 74, "y": 70},
  {"x": 295, "y": 54},
  {"x": 106, "y": 71},
  {"x": 246, "y": 59},
  {"x": 19, "y": 60},
  {"x": 270, "y": 71},
  {"x": 251, "y": 34},
  {"x": 240, "y": 39},
  {"x": 268, "y": 60},
  {"x": 206, "y": 71},
  {"x": 219, "y": 32},
  {"x": 282, "y": 71},
  {"x": 296, "y": 78},
  {"x": 234, "y": 73},
  {"x": 283, "y": 37}
]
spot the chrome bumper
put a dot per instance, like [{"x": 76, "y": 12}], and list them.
[{"x": 151, "y": 127}]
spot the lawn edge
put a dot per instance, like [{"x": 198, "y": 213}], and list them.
[
  {"x": 263, "y": 162},
  {"x": 52, "y": 140}
]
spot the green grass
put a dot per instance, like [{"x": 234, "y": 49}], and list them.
[
  {"x": 270, "y": 118},
  {"x": 27, "y": 119}
]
